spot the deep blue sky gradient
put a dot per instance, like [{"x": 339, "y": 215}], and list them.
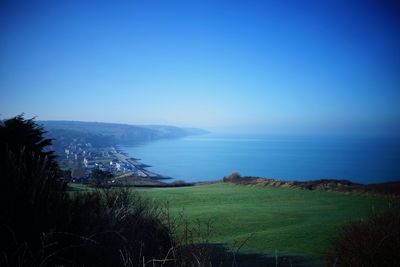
[{"x": 321, "y": 67}]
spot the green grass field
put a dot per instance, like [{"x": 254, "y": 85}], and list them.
[{"x": 293, "y": 221}]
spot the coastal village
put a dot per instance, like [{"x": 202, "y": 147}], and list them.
[{"x": 81, "y": 158}]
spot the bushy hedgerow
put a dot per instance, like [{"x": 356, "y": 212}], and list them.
[{"x": 372, "y": 242}]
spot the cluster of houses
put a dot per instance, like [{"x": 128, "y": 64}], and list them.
[
  {"x": 82, "y": 158},
  {"x": 114, "y": 166}
]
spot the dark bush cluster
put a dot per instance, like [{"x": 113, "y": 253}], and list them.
[
  {"x": 231, "y": 177},
  {"x": 41, "y": 224},
  {"x": 111, "y": 227},
  {"x": 373, "y": 242}
]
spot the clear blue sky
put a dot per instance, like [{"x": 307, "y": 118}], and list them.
[{"x": 229, "y": 66}]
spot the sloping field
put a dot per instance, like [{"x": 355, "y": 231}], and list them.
[{"x": 291, "y": 221}]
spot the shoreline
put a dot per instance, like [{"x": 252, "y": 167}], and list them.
[
  {"x": 144, "y": 178},
  {"x": 139, "y": 169},
  {"x": 213, "y": 156}
]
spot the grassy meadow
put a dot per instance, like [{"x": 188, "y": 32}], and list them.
[
  {"x": 289, "y": 221},
  {"x": 292, "y": 221}
]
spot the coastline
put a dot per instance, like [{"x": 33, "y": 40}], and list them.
[
  {"x": 139, "y": 169},
  {"x": 144, "y": 178},
  {"x": 210, "y": 157}
]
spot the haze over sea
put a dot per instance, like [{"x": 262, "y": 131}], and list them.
[{"x": 212, "y": 156}]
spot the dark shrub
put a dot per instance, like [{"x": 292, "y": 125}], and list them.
[
  {"x": 31, "y": 192},
  {"x": 375, "y": 242},
  {"x": 231, "y": 177},
  {"x": 109, "y": 228},
  {"x": 100, "y": 178},
  {"x": 179, "y": 183},
  {"x": 41, "y": 225}
]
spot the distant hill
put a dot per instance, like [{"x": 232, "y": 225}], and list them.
[{"x": 103, "y": 134}]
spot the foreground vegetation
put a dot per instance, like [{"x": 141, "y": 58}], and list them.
[
  {"x": 291, "y": 221},
  {"x": 42, "y": 225}
]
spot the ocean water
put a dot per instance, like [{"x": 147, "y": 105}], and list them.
[{"x": 210, "y": 157}]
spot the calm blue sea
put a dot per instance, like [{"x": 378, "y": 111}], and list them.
[{"x": 210, "y": 157}]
